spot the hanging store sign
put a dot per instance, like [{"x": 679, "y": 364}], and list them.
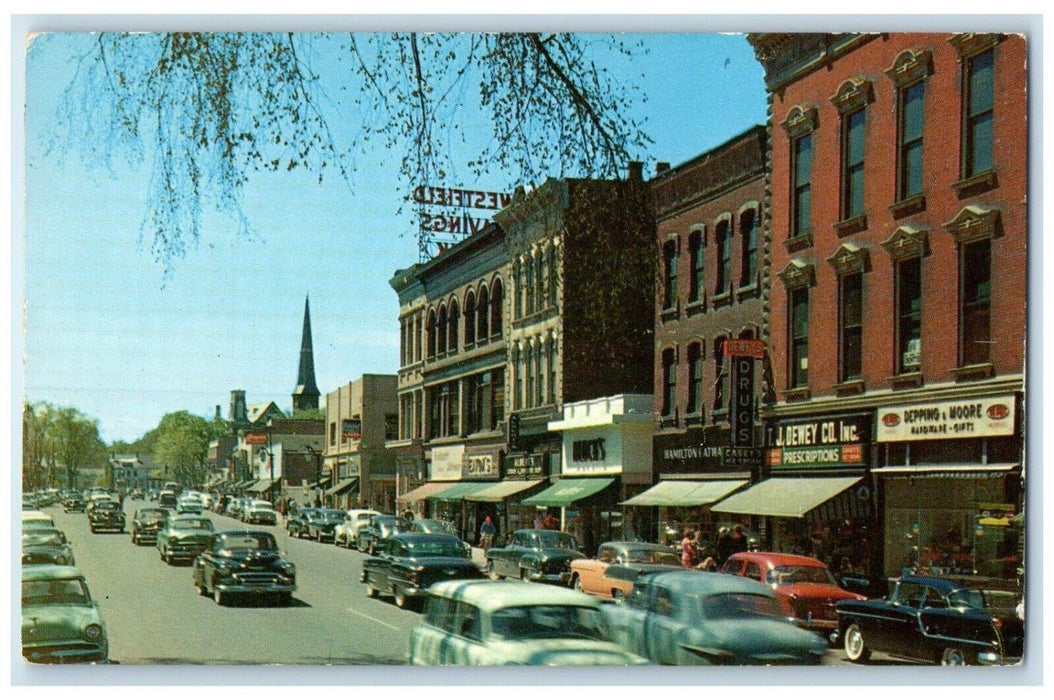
[
  {"x": 526, "y": 466},
  {"x": 741, "y": 417},
  {"x": 444, "y": 209},
  {"x": 256, "y": 439},
  {"x": 986, "y": 417},
  {"x": 446, "y": 463},
  {"x": 481, "y": 464},
  {"x": 821, "y": 441}
]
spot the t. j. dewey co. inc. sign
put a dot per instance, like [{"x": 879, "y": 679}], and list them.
[
  {"x": 984, "y": 417},
  {"x": 443, "y": 209}
]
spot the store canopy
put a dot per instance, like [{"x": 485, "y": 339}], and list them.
[
  {"x": 343, "y": 486},
  {"x": 785, "y": 498},
  {"x": 946, "y": 470},
  {"x": 502, "y": 490},
  {"x": 566, "y": 491},
  {"x": 685, "y": 493},
  {"x": 425, "y": 491},
  {"x": 460, "y": 490},
  {"x": 261, "y": 486},
  {"x": 321, "y": 483}
]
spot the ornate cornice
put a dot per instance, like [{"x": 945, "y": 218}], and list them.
[
  {"x": 905, "y": 243},
  {"x": 850, "y": 258},
  {"x": 910, "y": 67},
  {"x": 974, "y": 223},
  {"x": 972, "y": 44},
  {"x": 853, "y": 94}
]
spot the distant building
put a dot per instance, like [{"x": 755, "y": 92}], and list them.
[
  {"x": 360, "y": 417},
  {"x": 132, "y": 472},
  {"x": 306, "y": 393}
]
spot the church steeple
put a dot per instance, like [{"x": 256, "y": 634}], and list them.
[{"x": 306, "y": 394}]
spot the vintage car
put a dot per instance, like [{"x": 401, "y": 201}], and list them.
[
  {"x": 244, "y": 563},
  {"x": 97, "y": 498},
  {"x": 535, "y": 555},
  {"x": 190, "y": 504},
  {"x": 167, "y": 499},
  {"x": 60, "y": 621},
  {"x": 491, "y": 623},
  {"x": 296, "y": 526},
  {"x": 260, "y": 512},
  {"x": 183, "y": 537},
  {"x": 692, "y": 617},
  {"x": 74, "y": 504},
  {"x": 46, "y": 546},
  {"x": 346, "y": 533},
  {"x": 590, "y": 575},
  {"x": 803, "y": 585},
  {"x": 379, "y": 527},
  {"x": 933, "y": 620},
  {"x": 431, "y": 526},
  {"x": 321, "y": 526},
  {"x": 32, "y": 519},
  {"x": 146, "y": 522},
  {"x": 136, "y": 494},
  {"x": 106, "y": 515},
  {"x": 406, "y": 564}
]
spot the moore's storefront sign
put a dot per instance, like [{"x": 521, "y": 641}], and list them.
[
  {"x": 987, "y": 417},
  {"x": 820, "y": 441}
]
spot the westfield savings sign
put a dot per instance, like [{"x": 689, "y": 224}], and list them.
[{"x": 449, "y": 209}]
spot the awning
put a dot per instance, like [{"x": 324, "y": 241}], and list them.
[
  {"x": 460, "y": 490},
  {"x": 946, "y": 470},
  {"x": 785, "y": 498},
  {"x": 502, "y": 490},
  {"x": 320, "y": 484},
  {"x": 685, "y": 493},
  {"x": 261, "y": 486},
  {"x": 343, "y": 486},
  {"x": 566, "y": 491},
  {"x": 426, "y": 491}
]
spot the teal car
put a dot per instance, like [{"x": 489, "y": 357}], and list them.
[
  {"x": 60, "y": 621},
  {"x": 183, "y": 537}
]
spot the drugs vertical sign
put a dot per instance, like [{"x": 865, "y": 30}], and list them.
[{"x": 742, "y": 354}]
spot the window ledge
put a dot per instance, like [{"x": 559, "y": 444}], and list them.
[
  {"x": 907, "y": 207},
  {"x": 723, "y": 299},
  {"x": 668, "y": 421},
  {"x": 850, "y": 387},
  {"x": 719, "y": 415},
  {"x": 848, "y": 227},
  {"x": 799, "y": 242},
  {"x": 906, "y": 380},
  {"x": 693, "y": 419},
  {"x": 670, "y": 313},
  {"x": 967, "y": 373},
  {"x": 748, "y": 291},
  {"x": 695, "y": 307},
  {"x": 800, "y": 393},
  {"x": 976, "y": 184}
]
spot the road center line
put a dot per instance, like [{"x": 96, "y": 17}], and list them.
[{"x": 380, "y": 622}]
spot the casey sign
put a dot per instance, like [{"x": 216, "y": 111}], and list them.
[{"x": 985, "y": 417}]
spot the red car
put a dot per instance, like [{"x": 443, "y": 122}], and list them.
[{"x": 803, "y": 585}]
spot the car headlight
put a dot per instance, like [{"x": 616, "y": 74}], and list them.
[
  {"x": 61, "y": 559},
  {"x": 289, "y": 568},
  {"x": 93, "y": 632}
]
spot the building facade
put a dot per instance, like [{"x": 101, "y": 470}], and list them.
[{"x": 898, "y": 298}]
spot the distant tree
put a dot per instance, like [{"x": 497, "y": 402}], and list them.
[
  {"x": 56, "y": 444},
  {"x": 181, "y": 446},
  {"x": 309, "y": 413},
  {"x": 212, "y": 108}
]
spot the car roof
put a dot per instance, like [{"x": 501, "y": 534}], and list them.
[
  {"x": 414, "y": 537},
  {"x": 649, "y": 546},
  {"x": 706, "y": 583},
  {"x": 46, "y": 572},
  {"x": 493, "y": 595},
  {"x": 942, "y": 585},
  {"x": 36, "y": 515},
  {"x": 779, "y": 559}
]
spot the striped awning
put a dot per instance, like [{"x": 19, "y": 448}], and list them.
[
  {"x": 685, "y": 493},
  {"x": 946, "y": 470},
  {"x": 343, "y": 486},
  {"x": 425, "y": 491},
  {"x": 786, "y": 497},
  {"x": 502, "y": 490},
  {"x": 461, "y": 490}
]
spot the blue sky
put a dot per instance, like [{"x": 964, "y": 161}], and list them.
[{"x": 108, "y": 334}]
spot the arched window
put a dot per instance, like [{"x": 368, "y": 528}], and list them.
[
  {"x": 470, "y": 318},
  {"x": 696, "y": 271},
  {"x": 748, "y": 230},
  {"x": 441, "y": 331},
  {"x": 452, "y": 326},
  {"x": 723, "y": 238},
  {"x": 720, "y": 375},
  {"x": 430, "y": 331},
  {"x": 528, "y": 284},
  {"x": 695, "y": 378},
  {"x": 669, "y": 382},
  {"x": 497, "y": 306},
  {"x": 554, "y": 277},
  {"x": 669, "y": 274},
  {"x": 551, "y": 346},
  {"x": 482, "y": 315}
]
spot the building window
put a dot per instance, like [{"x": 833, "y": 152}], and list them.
[
  {"x": 720, "y": 375},
  {"x": 695, "y": 378},
  {"x": 801, "y": 185},
  {"x": 979, "y": 103},
  {"x": 497, "y": 304},
  {"x": 517, "y": 286},
  {"x": 539, "y": 283},
  {"x": 853, "y": 164},
  {"x": 529, "y": 285},
  {"x": 517, "y": 380},
  {"x": 497, "y": 405},
  {"x": 452, "y": 326},
  {"x": 669, "y": 381},
  {"x": 909, "y": 150},
  {"x": 748, "y": 230},
  {"x": 539, "y": 374},
  {"x": 528, "y": 362},
  {"x": 669, "y": 268},
  {"x": 482, "y": 315},
  {"x": 850, "y": 325},
  {"x": 552, "y": 371},
  {"x": 799, "y": 337},
  {"x": 976, "y": 296},
  {"x": 695, "y": 279},
  {"x": 909, "y": 315},
  {"x": 332, "y": 434},
  {"x": 470, "y": 319},
  {"x": 723, "y": 235},
  {"x": 553, "y": 276},
  {"x": 430, "y": 329}
]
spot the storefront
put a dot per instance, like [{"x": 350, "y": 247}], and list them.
[
  {"x": 951, "y": 487},
  {"x": 522, "y": 469},
  {"x": 457, "y": 472}
]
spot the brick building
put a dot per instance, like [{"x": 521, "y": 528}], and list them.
[{"x": 897, "y": 316}]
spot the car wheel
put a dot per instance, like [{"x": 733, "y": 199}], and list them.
[
  {"x": 618, "y": 596},
  {"x": 491, "y": 573},
  {"x": 856, "y": 649},
  {"x": 320, "y": 537},
  {"x": 219, "y": 596},
  {"x": 953, "y": 656},
  {"x": 202, "y": 591},
  {"x": 373, "y": 548},
  {"x": 402, "y": 601},
  {"x": 371, "y": 590},
  {"x": 523, "y": 575},
  {"x": 168, "y": 557},
  {"x": 576, "y": 583}
]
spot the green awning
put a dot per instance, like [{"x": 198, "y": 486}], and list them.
[
  {"x": 424, "y": 491},
  {"x": 566, "y": 491},
  {"x": 460, "y": 489},
  {"x": 785, "y": 498},
  {"x": 685, "y": 493},
  {"x": 343, "y": 485},
  {"x": 502, "y": 490}
]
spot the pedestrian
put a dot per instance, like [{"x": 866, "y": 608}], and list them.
[
  {"x": 318, "y": 502},
  {"x": 408, "y": 515},
  {"x": 550, "y": 522},
  {"x": 724, "y": 545},
  {"x": 739, "y": 540},
  {"x": 486, "y": 534},
  {"x": 539, "y": 521},
  {"x": 687, "y": 549}
]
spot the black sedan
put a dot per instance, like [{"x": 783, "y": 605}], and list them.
[
  {"x": 106, "y": 515},
  {"x": 535, "y": 555},
  {"x": 146, "y": 522},
  {"x": 933, "y": 620},
  {"x": 74, "y": 504},
  {"x": 380, "y": 527},
  {"x": 296, "y": 526},
  {"x": 244, "y": 563},
  {"x": 46, "y": 546},
  {"x": 321, "y": 525},
  {"x": 409, "y": 563}
]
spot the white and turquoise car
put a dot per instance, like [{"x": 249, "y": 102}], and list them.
[{"x": 60, "y": 621}]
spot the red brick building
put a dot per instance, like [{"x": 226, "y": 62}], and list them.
[{"x": 898, "y": 296}]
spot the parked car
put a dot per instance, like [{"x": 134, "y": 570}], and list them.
[
  {"x": 321, "y": 526},
  {"x": 489, "y": 623},
  {"x": 183, "y": 537},
  {"x": 260, "y": 512},
  {"x": 36, "y": 519},
  {"x": 296, "y": 526},
  {"x": 136, "y": 494},
  {"x": 74, "y": 504},
  {"x": 933, "y": 620},
  {"x": 234, "y": 508},
  {"x": 106, "y": 515},
  {"x": 590, "y": 575},
  {"x": 190, "y": 504},
  {"x": 535, "y": 555},
  {"x": 406, "y": 564},
  {"x": 692, "y": 617},
  {"x": 346, "y": 533},
  {"x": 379, "y": 528},
  {"x": 96, "y": 498},
  {"x": 803, "y": 585},
  {"x": 244, "y": 563},
  {"x": 167, "y": 499},
  {"x": 146, "y": 522},
  {"x": 431, "y": 526},
  {"x": 46, "y": 546},
  {"x": 60, "y": 621}
]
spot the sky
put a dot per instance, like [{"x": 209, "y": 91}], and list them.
[{"x": 107, "y": 333}]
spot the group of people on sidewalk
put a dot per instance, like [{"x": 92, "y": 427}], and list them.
[{"x": 696, "y": 553}]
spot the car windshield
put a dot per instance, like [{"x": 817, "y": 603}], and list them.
[
  {"x": 247, "y": 540},
  {"x": 967, "y": 598},
  {"x": 152, "y": 513},
  {"x": 192, "y": 524},
  {"x": 435, "y": 548},
  {"x": 42, "y": 537},
  {"x": 788, "y": 575},
  {"x": 651, "y": 556},
  {"x": 332, "y": 515},
  {"x": 729, "y": 606},
  {"x": 434, "y": 526},
  {"x": 107, "y": 505},
  {"x": 549, "y": 538},
  {"x": 70, "y": 591},
  {"x": 545, "y": 622}
]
